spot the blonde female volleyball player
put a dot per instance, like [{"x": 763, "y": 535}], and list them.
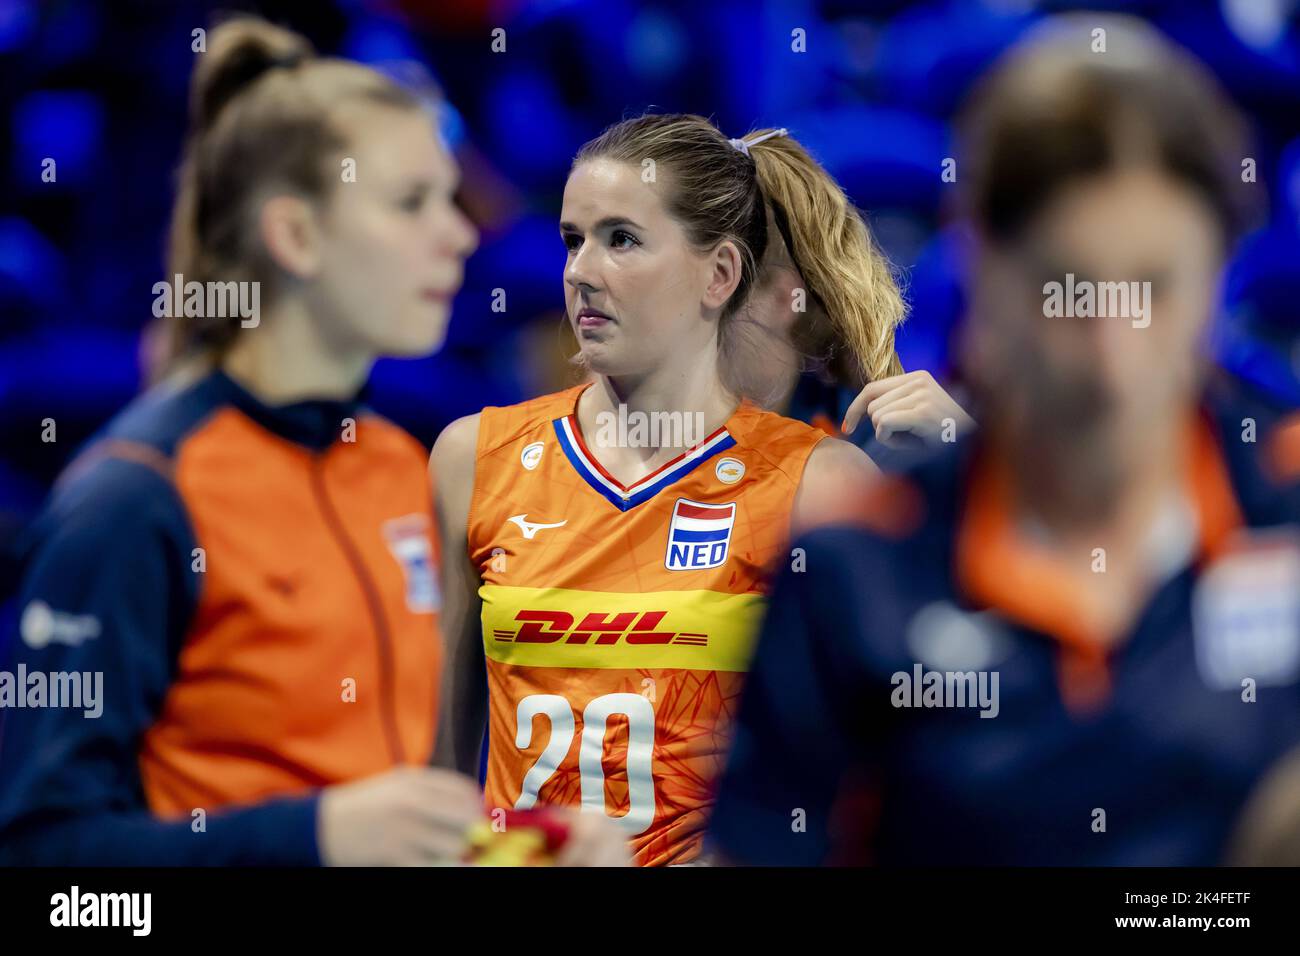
[{"x": 607, "y": 576}]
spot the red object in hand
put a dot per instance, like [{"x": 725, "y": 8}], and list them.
[
  {"x": 526, "y": 838},
  {"x": 551, "y": 824}
]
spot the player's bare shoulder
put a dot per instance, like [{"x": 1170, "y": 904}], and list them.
[
  {"x": 837, "y": 472},
  {"x": 458, "y": 442},
  {"x": 451, "y": 464}
]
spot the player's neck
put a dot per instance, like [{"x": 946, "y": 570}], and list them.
[
  {"x": 693, "y": 397},
  {"x": 1143, "y": 487},
  {"x": 286, "y": 359},
  {"x": 1102, "y": 489}
]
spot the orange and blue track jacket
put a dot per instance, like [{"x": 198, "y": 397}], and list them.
[
  {"x": 256, "y": 588},
  {"x": 929, "y": 608}
]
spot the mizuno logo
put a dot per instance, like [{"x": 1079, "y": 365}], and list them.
[{"x": 530, "y": 528}]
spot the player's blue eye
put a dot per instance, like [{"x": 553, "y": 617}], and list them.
[
  {"x": 617, "y": 239},
  {"x": 413, "y": 202},
  {"x": 571, "y": 242}
]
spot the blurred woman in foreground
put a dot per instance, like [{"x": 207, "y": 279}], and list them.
[{"x": 245, "y": 557}]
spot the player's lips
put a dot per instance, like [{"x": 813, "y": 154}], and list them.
[
  {"x": 592, "y": 319},
  {"x": 437, "y": 295}
]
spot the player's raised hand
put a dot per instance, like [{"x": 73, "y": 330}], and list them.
[
  {"x": 906, "y": 409},
  {"x": 410, "y": 816}
]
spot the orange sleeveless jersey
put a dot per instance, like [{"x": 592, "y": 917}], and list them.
[{"x": 618, "y": 622}]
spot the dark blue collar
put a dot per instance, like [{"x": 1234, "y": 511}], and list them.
[{"x": 313, "y": 423}]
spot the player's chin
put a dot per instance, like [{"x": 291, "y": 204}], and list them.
[
  {"x": 606, "y": 357},
  {"x": 418, "y": 335}
]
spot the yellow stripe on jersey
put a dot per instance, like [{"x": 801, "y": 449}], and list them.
[{"x": 562, "y": 627}]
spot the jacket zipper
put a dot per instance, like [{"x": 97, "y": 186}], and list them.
[{"x": 388, "y": 705}]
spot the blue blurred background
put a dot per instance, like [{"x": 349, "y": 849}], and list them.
[{"x": 101, "y": 88}]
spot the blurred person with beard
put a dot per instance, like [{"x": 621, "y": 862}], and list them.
[{"x": 1071, "y": 638}]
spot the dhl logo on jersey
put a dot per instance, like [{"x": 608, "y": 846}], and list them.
[
  {"x": 547, "y": 627},
  {"x": 562, "y": 627}
]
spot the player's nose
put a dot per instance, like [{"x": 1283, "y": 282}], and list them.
[
  {"x": 455, "y": 235},
  {"x": 579, "y": 272}
]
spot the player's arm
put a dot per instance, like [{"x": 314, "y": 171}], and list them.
[
  {"x": 794, "y": 764},
  {"x": 463, "y": 711},
  {"x": 107, "y": 594},
  {"x": 835, "y": 474}
]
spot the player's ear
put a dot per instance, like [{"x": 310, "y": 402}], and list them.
[
  {"x": 724, "y": 274},
  {"x": 288, "y": 228}
]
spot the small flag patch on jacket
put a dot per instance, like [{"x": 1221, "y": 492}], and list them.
[{"x": 409, "y": 541}]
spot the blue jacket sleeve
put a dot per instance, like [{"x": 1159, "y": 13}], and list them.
[
  {"x": 794, "y": 754},
  {"x": 108, "y": 594}
]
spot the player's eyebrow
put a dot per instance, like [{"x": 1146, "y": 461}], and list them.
[{"x": 609, "y": 222}]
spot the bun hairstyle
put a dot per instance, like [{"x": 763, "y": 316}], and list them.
[
  {"x": 719, "y": 191},
  {"x": 264, "y": 115}
]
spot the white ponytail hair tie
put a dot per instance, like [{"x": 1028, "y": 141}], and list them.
[{"x": 743, "y": 146}]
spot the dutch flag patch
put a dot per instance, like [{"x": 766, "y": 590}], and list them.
[{"x": 698, "y": 535}]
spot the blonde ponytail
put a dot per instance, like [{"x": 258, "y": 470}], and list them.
[{"x": 837, "y": 257}]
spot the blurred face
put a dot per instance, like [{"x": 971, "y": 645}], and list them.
[
  {"x": 637, "y": 292},
  {"x": 1060, "y": 371},
  {"x": 770, "y": 311},
  {"x": 392, "y": 243}
]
